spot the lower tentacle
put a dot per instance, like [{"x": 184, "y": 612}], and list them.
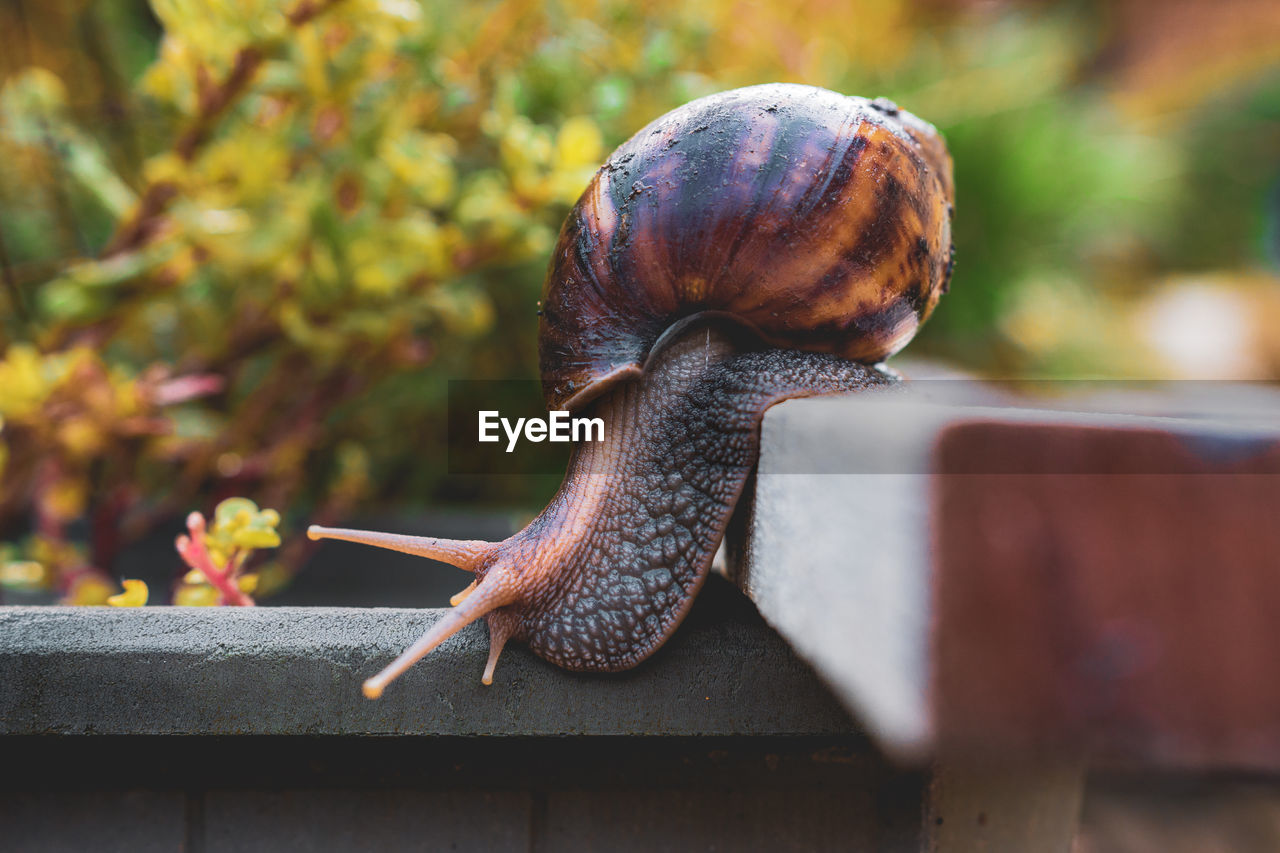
[{"x": 498, "y": 589}]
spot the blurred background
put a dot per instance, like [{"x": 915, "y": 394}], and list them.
[{"x": 244, "y": 244}]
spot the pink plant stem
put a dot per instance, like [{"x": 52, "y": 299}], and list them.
[{"x": 197, "y": 557}]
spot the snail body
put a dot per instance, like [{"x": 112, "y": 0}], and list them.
[{"x": 753, "y": 246}]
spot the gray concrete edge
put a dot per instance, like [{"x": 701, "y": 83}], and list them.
[{"x": 270, "y": 671}]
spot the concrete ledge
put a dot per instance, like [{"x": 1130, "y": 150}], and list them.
[
  {"x": 268, "y": 671},
  {"x": 1014, "y": 582}
]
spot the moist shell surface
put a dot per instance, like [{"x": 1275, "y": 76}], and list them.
[{"x": 821, "y": 220}]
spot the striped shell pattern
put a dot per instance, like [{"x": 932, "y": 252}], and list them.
[{"x": 822, "y": 221}]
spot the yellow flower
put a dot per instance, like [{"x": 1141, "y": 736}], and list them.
[
  {"x": 134, "y": 595},
  {"x": 81, "y": 437},
  {"x": 89, "y": 590},
  {"x": 195, "y": 595},
  {"x": 239, "y": 523},
  {"x": 424, "y": 163},
  {"x": 23, "y": 382},
  {"x": 66, "y": 498},
  {"x": 22, "y": 573},
  {"x": 579, "y": 143}
]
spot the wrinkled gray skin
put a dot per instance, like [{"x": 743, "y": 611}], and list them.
[{"x": 614, "y": 562}]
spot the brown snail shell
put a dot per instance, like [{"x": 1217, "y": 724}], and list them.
[{"x": 823, "y": 221}]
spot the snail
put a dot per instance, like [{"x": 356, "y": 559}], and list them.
[{"x": 751, "y": 246}]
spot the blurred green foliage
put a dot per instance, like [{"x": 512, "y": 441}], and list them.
[{"x": 246, "y": 242}]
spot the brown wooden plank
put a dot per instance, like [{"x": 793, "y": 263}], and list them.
[{"x": 1110, "y": 589}]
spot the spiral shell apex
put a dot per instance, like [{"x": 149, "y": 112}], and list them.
[{"x": 820, "y": 220}]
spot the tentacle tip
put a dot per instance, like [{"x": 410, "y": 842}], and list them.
[
  {"x": 315, "y": 532},
  {"x": 462, "y": 596},
  {"x": 371, "y": 690},
  {"x": 495, "y": 650}
]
